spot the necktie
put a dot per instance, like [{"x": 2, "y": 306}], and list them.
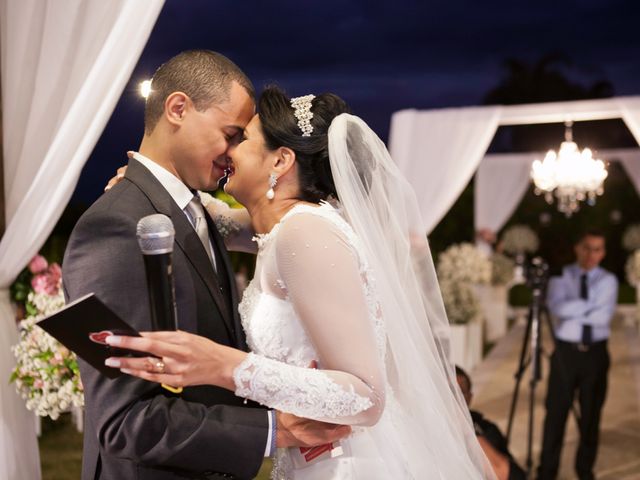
[
  {"x": 196, "y": 212},
  {"x": 584, "y": 294}
]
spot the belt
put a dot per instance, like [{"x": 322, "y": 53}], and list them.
[{"x": 582, "y": 347}]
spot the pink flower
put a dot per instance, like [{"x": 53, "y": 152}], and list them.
[
  {"x": 38, "y": 383},
  {"x": 55, "y": 272},
  {"x": 38, "y": 264},
  {"x": 40, "y": 282},
  {"x": 49, "y": 281}
]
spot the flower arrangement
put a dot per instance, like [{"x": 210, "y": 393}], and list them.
[
  {"x": 464, "y": 263},
  {"x": 631, "y": 238},
  {"x": 460, "y": 302},
  {"x": 459, "y": 268},
  {"x": 502, "y": 269},
  {"x": 632, "y": 269},
  {"x": 46, "y": 373},
  {"x": 519, "y": 239}
]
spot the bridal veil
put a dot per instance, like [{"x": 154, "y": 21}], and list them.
[{"x": 434, "y": 430}]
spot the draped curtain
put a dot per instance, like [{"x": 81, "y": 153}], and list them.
[
  {"x": 64, "y": 65},
  {"x": 631, "y": 164},
  {"x": 500, "y": 183},
  {"x": 502, "y": 180},
  {"x": 630, "y": 108},
  {"x": 439, "y": 151}
]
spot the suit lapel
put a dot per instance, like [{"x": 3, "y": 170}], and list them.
[
  {"x": 218, "y": 243},
  {"x": 186, "y": 237}
]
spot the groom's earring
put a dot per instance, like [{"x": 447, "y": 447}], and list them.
[{"x": 273, "y": 181}]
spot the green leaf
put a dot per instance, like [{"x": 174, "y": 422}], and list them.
[{"x": 31, "y": 309}]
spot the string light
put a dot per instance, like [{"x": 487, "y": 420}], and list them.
[{"x": 145, "y": 88}]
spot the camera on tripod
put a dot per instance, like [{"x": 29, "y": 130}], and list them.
[{"x": 536, "y": 273}]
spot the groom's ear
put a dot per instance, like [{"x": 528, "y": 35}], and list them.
[
  {"x": 284, "y": 161},
  {"x": 175, "y": 107}
]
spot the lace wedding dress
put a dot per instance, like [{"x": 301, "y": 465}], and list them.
[
  {"x": 313, "y": 298},
  {"x": 353, "y": 288}
]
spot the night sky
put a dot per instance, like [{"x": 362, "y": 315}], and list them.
[{"x": 379, "y": 56}]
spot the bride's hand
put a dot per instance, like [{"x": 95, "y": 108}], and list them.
[
  {"x": 119, "y": 174},
  {"x": 178, "y": 358}
]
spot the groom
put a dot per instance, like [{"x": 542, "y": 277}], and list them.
[{"x": 198, "y": 108}]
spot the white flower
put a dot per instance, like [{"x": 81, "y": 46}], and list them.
[
  {"x": 459, "y": 268},
  {"x": 631, "y": 237},
  {"x": 502, "y": 269},
  {"x": 45, "y": 370},
  {"x": 464, "y": 263},
  {"x": 632, "y": 268},
  {"x": 519, "y": 239},
  {"x": 460, "y": 302}
]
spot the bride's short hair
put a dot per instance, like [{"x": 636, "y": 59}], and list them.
[{"x": 280, "y": 129}]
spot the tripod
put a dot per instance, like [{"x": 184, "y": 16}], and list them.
[
  {"x": 532, "y": 344},
  {"x": 533, "y": 340}
]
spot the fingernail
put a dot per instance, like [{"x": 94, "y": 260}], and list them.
[
  {"x": 126, "y": 370},
  {"x": 112, "y": 362},
  {"x": 113, "y": 340},
  {"x": 107, "y": 188}
]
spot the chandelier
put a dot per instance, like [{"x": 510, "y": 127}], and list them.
[{"x": 570, "y": 175}]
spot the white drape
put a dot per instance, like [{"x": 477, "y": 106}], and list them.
[
  {"x": 500, "y": 183},
  {"x": 630, "y": 108},
  {"x": 503, "y": 179},
  {"x": 65, "y": 63},
  {"x": 439, "y": 151},
  {"x": 630, "y": 160}
]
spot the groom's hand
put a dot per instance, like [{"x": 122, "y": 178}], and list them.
[{"x": 294, "y": 431}]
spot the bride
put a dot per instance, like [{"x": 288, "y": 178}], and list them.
[{"x": 341, "y": 283}]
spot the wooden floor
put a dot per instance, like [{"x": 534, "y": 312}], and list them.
[{"x": 619, "y": 451}]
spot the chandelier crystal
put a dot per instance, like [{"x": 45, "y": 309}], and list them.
[{"x": 570, "y": 175}]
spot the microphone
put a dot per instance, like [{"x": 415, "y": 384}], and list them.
[{"x": 155, "y": 236}]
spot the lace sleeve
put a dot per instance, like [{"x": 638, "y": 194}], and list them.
[
  {"x": 321, "y": 274},
  {"x": 234, "y": 224}
]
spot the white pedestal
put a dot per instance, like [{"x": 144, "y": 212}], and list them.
[
  {"x": 37, "y": 419},
  {"x": 493, "y": 303},
  {"x": 466, "y": 344},
  {"x": 638, "y": 306},
  {"x": 77, "y": 417}
]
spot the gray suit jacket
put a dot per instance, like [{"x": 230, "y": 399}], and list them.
[{"x": 135, "y": 429}]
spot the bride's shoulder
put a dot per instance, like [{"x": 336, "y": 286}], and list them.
[{"x": 307, "y": 223}]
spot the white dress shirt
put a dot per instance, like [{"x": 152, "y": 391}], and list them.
[
  {"x": 572, "y": 312},
  {"x": 180, "y": 193}
]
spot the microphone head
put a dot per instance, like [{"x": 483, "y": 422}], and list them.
[{"x": 155, "y": 234}]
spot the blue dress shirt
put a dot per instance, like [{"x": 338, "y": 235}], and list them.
[{"x": 572, "y": 312}]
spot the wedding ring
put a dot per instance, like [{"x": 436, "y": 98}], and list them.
[
  {"x": 156, "y": 366},
  {"x": 159, "y": 366}
]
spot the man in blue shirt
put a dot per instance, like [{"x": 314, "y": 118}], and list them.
[{"x": 582, "y": 301}]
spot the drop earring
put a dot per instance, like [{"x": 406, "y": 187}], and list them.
[{"x": 273, "y": 181}]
